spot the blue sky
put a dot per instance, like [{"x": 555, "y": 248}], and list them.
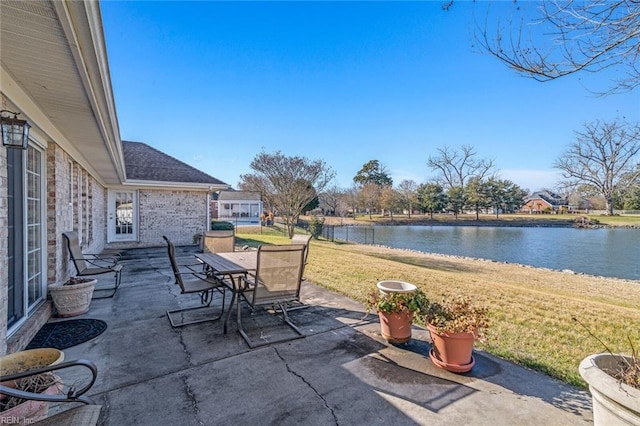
[{"x": 215, "y": 83}]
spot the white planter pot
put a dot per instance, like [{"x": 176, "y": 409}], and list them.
[
  {"x": 74, "y": 299},
  {"x": 614, "y": 403},
  {"x": 387, "y": 287}
]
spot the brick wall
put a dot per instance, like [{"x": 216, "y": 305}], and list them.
[{"x": 177, "y": 214}]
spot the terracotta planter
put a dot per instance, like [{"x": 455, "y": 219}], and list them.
[
  {"x": 396, "y": 328},
  {"x": 72, "y": 299},
  {"x": 452, "y": 351},
  {"x": 614, "y": 403},
  {"x": 30, "y": 411}
]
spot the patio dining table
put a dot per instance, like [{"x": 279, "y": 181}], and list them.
[{"x": 231, "y": 265}]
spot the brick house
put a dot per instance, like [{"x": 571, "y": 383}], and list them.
[
  {"x": 544, "y": 201},
  {"x": 76, "y": 173}
]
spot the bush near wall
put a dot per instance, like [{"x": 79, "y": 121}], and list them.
[{"x": 220, "y": 225}]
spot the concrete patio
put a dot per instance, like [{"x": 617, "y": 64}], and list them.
[{"x": 342, "y": 373}]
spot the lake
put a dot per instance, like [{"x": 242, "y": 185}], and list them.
[{"x": 603, "y": 252}]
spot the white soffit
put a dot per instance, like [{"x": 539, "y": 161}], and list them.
[{"x": 54, "y": 51}]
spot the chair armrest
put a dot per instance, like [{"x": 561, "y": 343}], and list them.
[
  {"x": 104, "y": 258},
  {"x": 99, "y": 263},
  {"x": 72, "y": 395}
]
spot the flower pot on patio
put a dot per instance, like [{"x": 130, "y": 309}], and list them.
[
  {"x": 72, "y": 297},
  {"x": 614, "y": 402},
  {"x": 452, "y": 351},
  {"x": 396, "y": 302},
  {"x": 29, "y": 412},
  {"x": 454, "y": 326}
]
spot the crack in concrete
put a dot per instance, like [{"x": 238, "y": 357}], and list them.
[
  {"x": 104, "y": 413},
  {"x": 191, "y": 396},
  {"x": 326, "y": 404}
]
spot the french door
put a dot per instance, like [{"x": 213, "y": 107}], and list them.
[
  {"x": 122, "y": 215},
  {"x": 26, "y": 204}
]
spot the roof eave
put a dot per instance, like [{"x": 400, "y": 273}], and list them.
[{"x": 176, "y": 185}]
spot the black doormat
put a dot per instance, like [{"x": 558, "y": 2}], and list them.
[{"x": 64, "y": 334}]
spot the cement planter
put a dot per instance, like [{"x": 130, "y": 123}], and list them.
[
  {"x": 614, "y": 403},
  {"x": 72, "y": 299}
]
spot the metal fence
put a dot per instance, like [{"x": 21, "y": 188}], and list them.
[{"x": 357, "y": 234}]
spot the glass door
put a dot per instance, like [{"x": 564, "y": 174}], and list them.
[
  {"x": 122, "y": 215},
  {"x": 27, "y": 280}
]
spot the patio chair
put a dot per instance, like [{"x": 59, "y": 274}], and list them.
[
  {"x": 219, "y": 241},
  {"x": 193, "y": 281},
  {"x": 86, "y": 414},
  {"x": 302, "y": 239},
  {"x": 276, "y": 283},
  {"x": 92, "y": 264}
]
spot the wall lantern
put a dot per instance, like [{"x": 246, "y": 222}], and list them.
[{"x": 15, "y": 132}]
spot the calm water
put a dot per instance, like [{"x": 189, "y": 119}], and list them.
[{"x": 604, "y": 252}]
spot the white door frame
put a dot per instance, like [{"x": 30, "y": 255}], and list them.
[{"x": 116, "y": 230}]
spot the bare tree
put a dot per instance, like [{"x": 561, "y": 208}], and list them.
[
  {"x": 407, "y": 190},
  {"x": 288, "y": 184},
  {"x": 330, "y": 198},
  {"x": 604, "y": 157},
  {"x": 389, "y": 200},
  {"x": 370, "y": 196},
  {"x": 457, "y": 167},
  {"x": 570, "y": 36}
]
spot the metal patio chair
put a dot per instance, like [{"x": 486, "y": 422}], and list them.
[
  {"x": 92, "y": 264},
  {"x": 219, "y": 241},
  {"x": 302, "y": 239},
  {"x": 85, "y": 415},
  {"x": 192, "y": 281},
  {"x": 275, "y": 284}
]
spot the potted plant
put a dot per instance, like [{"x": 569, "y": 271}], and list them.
[
  {"x": 396, "y": 302},
  {"x": 29, "y": 411},
  {"x": 454, "y": 326},
  {"x": 72, "y": 297},
  {"x": 614, "y": 383}
]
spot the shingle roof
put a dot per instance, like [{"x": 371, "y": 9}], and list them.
[{"x": 144, "y": 162}]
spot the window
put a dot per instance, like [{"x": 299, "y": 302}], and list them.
[{"x": 26, "y": 204}]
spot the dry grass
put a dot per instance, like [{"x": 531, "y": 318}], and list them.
[{"x": 530, "y": 309}]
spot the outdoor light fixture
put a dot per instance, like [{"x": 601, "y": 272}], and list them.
[{"x": 15, "y": 132}]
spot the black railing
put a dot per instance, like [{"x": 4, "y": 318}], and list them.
[{"x": 357, "y": 234}]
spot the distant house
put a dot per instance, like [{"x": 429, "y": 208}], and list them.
[
  {"x": 161, "y": 196},
  {"x": 545, "y": 201},
  {"x": 238, "y": 207},
  {"x": 75, "y": 174}
]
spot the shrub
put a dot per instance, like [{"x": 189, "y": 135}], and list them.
[
  {"x": 315, "y": 226},
  {"x": 220, "y": 225}
]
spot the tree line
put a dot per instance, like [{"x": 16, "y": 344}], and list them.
[{"x": 603, "y": 161}]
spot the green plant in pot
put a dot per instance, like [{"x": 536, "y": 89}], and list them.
[
  {"x": 396, "y": 309},
  {"x": 454, "y": 326}
]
